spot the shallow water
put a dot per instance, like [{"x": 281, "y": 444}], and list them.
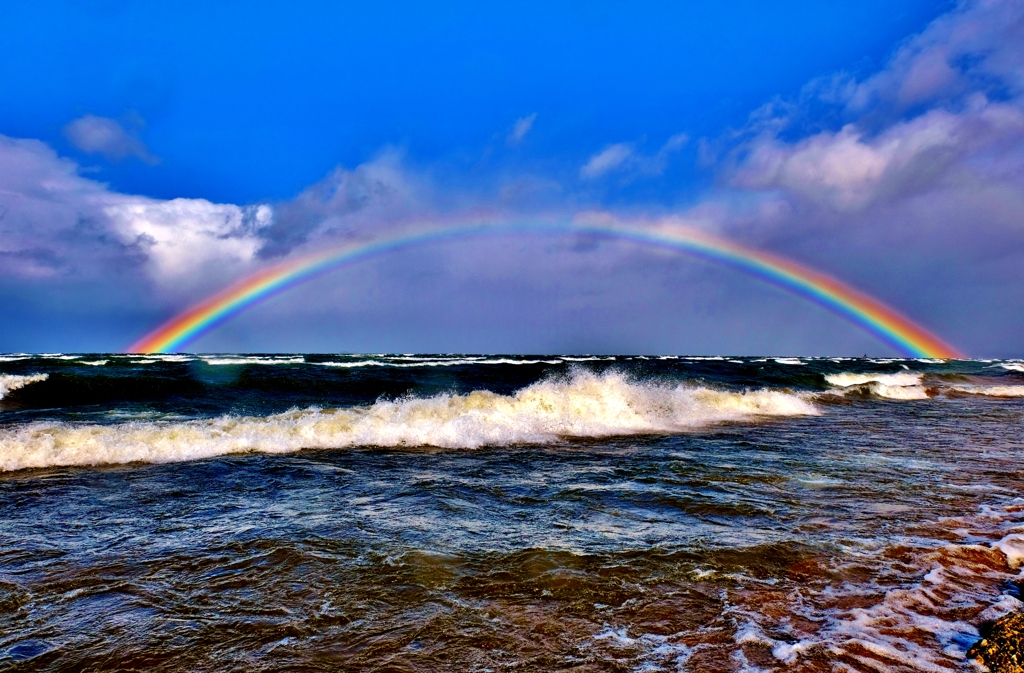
[{"x": 505, "y": 513}]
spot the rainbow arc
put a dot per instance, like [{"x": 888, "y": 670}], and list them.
[{"x": 861, "y": 309}]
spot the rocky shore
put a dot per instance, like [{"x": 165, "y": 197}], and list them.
[{"x": 1002, "y": 648}]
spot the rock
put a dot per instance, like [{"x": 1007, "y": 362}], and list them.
[{"x": 1002, "y": 649}]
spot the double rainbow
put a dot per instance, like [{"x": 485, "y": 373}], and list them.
[{"x": 864, "y": 311}]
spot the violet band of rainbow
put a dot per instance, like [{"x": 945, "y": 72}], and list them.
[{"x": 868, "y": 313}]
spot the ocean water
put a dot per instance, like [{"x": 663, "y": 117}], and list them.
[{"x": 505, "y": 513}]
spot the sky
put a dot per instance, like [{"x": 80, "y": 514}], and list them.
[{"x": 152, "y": 153}]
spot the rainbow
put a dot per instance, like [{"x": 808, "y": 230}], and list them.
[{"x": 864, "y": 311}]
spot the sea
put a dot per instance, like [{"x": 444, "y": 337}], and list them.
[{"x": 467, "y": 513}]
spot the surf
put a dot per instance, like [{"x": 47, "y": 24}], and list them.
[{"x": 580, "y": 405}]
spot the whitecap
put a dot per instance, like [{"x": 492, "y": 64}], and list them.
[
  {"x": 581, "y": 405},
  {"x": 846, "y": 379},
  {"x": 991, "y": 391},
  {"x": 11, "y": 382},
  {"x": 253, "y": 361},
  {"x": 898, "y": 392},
  {"x": 437, "y": 363}
]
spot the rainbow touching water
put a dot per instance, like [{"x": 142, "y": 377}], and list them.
[{"x": 864, "y": 311}]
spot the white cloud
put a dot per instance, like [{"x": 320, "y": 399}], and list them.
[
  {"x": 848, "y": 169},
  {"x": 54, "y": 222},
  {"x": 353, "y": 202},
  {"x": 101, "y": 135},
  {"x": 624, "y": 157},
  {"x": 606, "y": 160},
  {"x": 968, "y": 49},
  {"x": 191, "y": 239},
  {"x": 520, "y": 129}
]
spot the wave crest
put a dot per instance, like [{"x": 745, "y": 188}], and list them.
[
  {"x": 582, "y": 405},
  {"x": 11, "y": 382},
  {"x": 847, "y": 379}
]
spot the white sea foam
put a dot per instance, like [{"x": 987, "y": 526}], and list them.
[
  {"x": 13, "y": 358},
  {"x": 94, "y": 363},
  {"x": 898, "y": 392},
  {"x": 898, "y": 386},
  {"x": 1012, "y": 547},
  {"x": 991, "y": 391},
  {"x": 437, "y": 363},
  {"x": 255, "y": 361},
  {"x": 847, "y": 379},
  {"x": 583, "y": 405},
  {"x": 10, "y": 382},
  {"x": 790, "y": 361},
  {"x": 922, "y": 625},
  {"x": 158, "y": 357},
  {"x": 1013, "y": 366}
]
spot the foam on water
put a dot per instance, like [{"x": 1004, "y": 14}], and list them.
[
  {"x": 423, "y": 362},
  {"x": 923, "y": 625},
  {"x": 847, "y": 379},
  {"x": 991, "y": 391},
  {"x": 898, "y": 392},
  {"x": 255, "y": 361},
  {"x": 582, "y": 405},
  {"x": 897, "y": 386},
  {"x": 10, "y": 382}
]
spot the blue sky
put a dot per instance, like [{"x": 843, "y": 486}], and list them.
[
  {"x": 244, "y": 102},
  {"x": 855, "y": 137}
]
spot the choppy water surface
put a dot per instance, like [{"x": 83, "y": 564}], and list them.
[{"x": 472, "y": 513}]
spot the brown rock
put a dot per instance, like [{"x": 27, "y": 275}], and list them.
[{"x": 1002, "y": 649}]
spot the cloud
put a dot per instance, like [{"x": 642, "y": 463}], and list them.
[
  {"x": 101, "y": 135},
  {"x": 908, "y": 183},
  {"x": 978, "y": 47},
  {"x": 51, "y": 222},
  {"x": 608, "y": 159},
  {"x": 56, "y": 223},
  {"x": 624, "y": 157},
  {"x": 189, "y": 239},
  {"x": 350, "y": 203},
  {"x": 849, "y": 169},
  {"x": 520, "y": 129}
]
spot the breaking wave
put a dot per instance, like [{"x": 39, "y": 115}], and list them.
[
  {"x": 991, "y": 391},
  {"x": 255, "y": 361},
  {"x": 9, "y": 382},
  {"x": 898, "y": 386},
  {"x": 847, "y": 379},
  {"x": 433, "y": 362},
  {"x": 582, "y": 405}
]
